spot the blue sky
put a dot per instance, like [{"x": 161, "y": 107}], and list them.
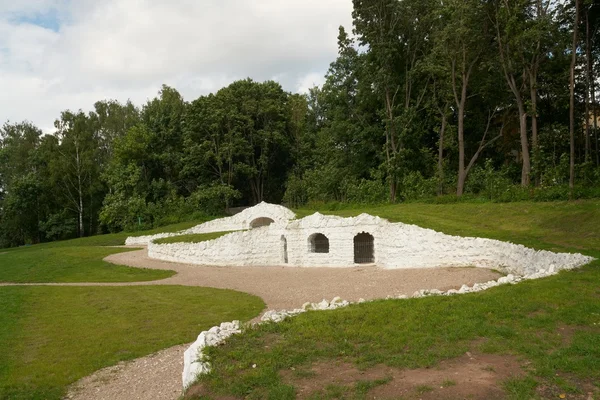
[
  {"x": 47, "y": 19},
  {"x": 62, "y": 54}
]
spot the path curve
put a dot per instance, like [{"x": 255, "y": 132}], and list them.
[{"x": 158, "y": 376}]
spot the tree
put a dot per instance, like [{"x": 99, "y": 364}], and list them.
[
  {"x": 76, "y": 167},
  {"x": 396, "y": 34},
  {"x": 520, "y": 29},
  {"x": 572, "y": 97},
  {"x": 460, "y": 46}
]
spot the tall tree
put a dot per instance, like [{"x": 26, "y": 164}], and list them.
[
  {"x": 76, "y": 169},
  {"x": 572, "y": 97},
  {"x": 396, "y": 34},
  {"x": 460, "y": 46}
]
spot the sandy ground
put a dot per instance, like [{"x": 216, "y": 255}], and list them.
[{"x": 158, "y": 376}]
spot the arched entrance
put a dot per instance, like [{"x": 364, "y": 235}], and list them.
[
  {"x": 262, "y": 221},
  {"x": 364, "y": 248}
]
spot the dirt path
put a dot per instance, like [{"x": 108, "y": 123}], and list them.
[
  {"x": 158, "y": 376},
  {"x": 289, "y": 287}
]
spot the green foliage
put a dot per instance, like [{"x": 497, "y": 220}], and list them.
[
  {"x": 420, "y": 94},
  {"x": 213, "y": 199}
]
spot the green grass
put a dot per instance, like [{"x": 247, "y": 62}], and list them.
[
  {"x": 572, "y": 226},
  {"x": 192, "y": 238},
  {"x": 37, "y": 264},
  {"x": 52, "y": 336},
  {"x": 527, "y": 320},
  {"x": 77, "y": 260}
]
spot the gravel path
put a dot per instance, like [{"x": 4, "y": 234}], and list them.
[{"x": 158, "y": 376}]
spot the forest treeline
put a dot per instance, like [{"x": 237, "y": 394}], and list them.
[{"x": 492, "y": 99}]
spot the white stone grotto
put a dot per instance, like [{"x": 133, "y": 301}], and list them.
[{"x": 269, "y": 235}]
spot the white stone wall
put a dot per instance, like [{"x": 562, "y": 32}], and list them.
[
  {"x": 279, "y": 214},
  {"x": 396, "y": 245},
  {"x": 253, "y": 247}
]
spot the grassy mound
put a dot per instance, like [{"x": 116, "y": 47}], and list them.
[{"x": 191, "y": 238}]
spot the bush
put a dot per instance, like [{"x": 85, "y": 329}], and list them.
[
  {"x": 213, "y": 199},
  {"x": 120, "y": 213},
  {"x": 414, "y": 186}
]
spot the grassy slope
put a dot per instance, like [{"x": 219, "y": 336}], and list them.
[
  {"x": 555, "y": 225},
  {"x": 192, "y": 238},
  {"x": 77, "y": 260},
  {"x": 529, "y": 319},
  {"x": 52, "y": 336}
]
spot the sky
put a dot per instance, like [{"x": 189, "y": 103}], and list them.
[{"x": 67, "y": 54}]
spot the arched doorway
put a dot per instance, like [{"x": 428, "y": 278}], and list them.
[
  {"x": 318, "y": 243},
  {"x": 284, "y": 251},
  {"x": 262, "y": 221},
  {"x": 364, "y": 248}
]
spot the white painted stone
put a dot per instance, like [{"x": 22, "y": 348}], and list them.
[
  {"x": 241, "y": 221},
  {"x": 193, "y": 362},
  {"x": 396, "y": 245}
]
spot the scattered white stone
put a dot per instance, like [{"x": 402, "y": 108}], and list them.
[{"x": 193, "y": 359}]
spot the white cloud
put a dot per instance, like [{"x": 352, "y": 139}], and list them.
[{"x": 127, "y": 48}]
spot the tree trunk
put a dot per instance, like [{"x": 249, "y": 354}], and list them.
[
  {"x": 588, "y": 74},
  {"x": 441, "y": 153},
  {"x": 572, "y": 99},
  {"x": 595, "y": 117},
  {"x": 79, "y": 190},
  {"x": 534, "y": 124},
  {"x": 390, "y": 144},
  {"x": 81, "y": 230},
  {"x": 526, "y": 170},
  {"x": 462, "y": 176}
]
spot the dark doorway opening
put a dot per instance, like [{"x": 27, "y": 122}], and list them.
[
  {"x": 318, "y": 243},
  {"x": 364, "y": 248},
  {"x": 284, "y": 249}
]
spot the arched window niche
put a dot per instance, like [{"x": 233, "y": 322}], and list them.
[
  {"x": 262, "y": 221},
  {"x": 318, "y": 243}
]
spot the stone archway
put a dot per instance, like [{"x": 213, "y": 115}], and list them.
[
  {"x": 318, "y": 243},
  {"x": 364, "y": 248},
  {"x": 262, "y": 221}
]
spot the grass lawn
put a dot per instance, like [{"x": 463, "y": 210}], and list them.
[
  {"x": 52, "y": 336},
  {"x": 70, "y": 264},
  {"x": 550, "y": 326},
  {"x": 77, "y": 260},
  {"x": 192, "y": 238}
]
